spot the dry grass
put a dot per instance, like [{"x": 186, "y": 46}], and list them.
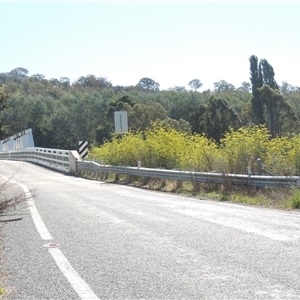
[{"x": 280, "y": 198}]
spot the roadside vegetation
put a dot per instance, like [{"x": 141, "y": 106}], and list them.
[
  {"x": 161, "y": 146},
  {"x": 164, "y": 147}
]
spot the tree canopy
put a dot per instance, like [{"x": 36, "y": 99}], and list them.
[
  {"x": 61, "y": 113},
  {"x": 195, "y": 84},
  {"x": 268, "y": 106},
  {"x": 149, "y": 84}
]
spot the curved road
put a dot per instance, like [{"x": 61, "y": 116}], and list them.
[{"x": 83, "y": 239}]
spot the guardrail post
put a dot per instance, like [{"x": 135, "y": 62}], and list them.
[
  {"x": 145, "y": 180},
  {"x": 178, "y": 184},
  {"x": 163, "y": 183},
  {"x": 128, "y": 178},
  {"x": 117, "y": 177},
  {"x": 259, "y": 166}
]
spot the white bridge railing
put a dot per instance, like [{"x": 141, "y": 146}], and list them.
[{"x": 52, "y": 158}]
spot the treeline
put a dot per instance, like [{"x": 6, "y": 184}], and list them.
[{"x": 61, "y": 113}]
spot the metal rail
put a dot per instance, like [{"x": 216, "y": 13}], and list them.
[
  {"x": 205, "y": 177},
  {"x": 60, "y": 160},
  {"x": 52, "y": 158}
]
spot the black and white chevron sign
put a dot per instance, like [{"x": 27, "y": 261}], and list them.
[{"x": 83, "y": 149}]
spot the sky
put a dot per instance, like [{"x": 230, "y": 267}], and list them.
[{"x": 169, "y": 42}]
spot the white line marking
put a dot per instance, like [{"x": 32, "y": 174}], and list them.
[
  {"x": 39, "y": 224},
  {"x": 78, "y": 284}
]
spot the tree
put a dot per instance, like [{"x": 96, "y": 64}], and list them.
[
  {"x": 256, "y": 82},
  {"x": 278, "y": 114},
  {"x": 3, "y": 98},
  {"x": 18, "y": 74},
  {"x": 178, "y": 89},
  {"x": 218, "y": 118},
  {"x": 286, "y": 88},
  {"x": 4, "y": 77},
  {"x": 245, "y": 87},
  {"x": 118, "y": 104},
  {"x": 256, "y": 74},
  {"x": 14, "y": 117},
  {"x": 148, "y": 84},
  {"x": 262, "y": 73},
  {"x": 54, "y": 81},
  {"x": 140, "y": 116},
  {"x": 91, "y": 81},
  {"x": 181, "y": 125},
  {"x": 195, "y": 84},
  {"x": 65, "y": 82},
  {"x": 266, "y": 101},
  {"x": 37, "y": 77},
  {"x": 182, "y": 105},
  {"x": 268, "y": 74},
  {"x": 223, "y": 86}
]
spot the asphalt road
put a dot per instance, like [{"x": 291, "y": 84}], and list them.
[{"x": 119, "y": 242}]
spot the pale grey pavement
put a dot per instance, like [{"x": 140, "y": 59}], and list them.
[{"x": 131, "y": 243}]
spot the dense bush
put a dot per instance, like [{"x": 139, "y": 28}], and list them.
[{"x": 164, "y": 147}]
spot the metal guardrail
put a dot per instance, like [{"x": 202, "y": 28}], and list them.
[
  {"x": 60, "y": 160},
  {"x": 205, "y": 177},
  {"x": 53, "y": 158}
]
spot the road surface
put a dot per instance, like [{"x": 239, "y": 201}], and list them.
[{"x": 84, "y": 239}]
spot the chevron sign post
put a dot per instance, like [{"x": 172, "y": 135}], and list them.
[{"x": 83, "y": 149}]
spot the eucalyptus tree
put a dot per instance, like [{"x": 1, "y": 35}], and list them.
[
  {"x": 37, "y": 77},
  {"x": 195, "y": 84},
  {"x": 140, "y": 116},
  {"x": 18, "y": 74},
  {"x": 245, "y": 87},
  {"x": 287, "y": 88},
  {"x": 223, "y": 86},
  {"x": 91, "y": 81},
  {"x": 65, "y": 82},
  {"x": 148, "y": 84}
]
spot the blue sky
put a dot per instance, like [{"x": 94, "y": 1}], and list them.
[{"x": 170, "y": 42}]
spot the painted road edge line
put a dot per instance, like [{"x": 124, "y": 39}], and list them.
[
  {"x": 39, "y": 224},
  {"x": 78, "y": 284}
]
